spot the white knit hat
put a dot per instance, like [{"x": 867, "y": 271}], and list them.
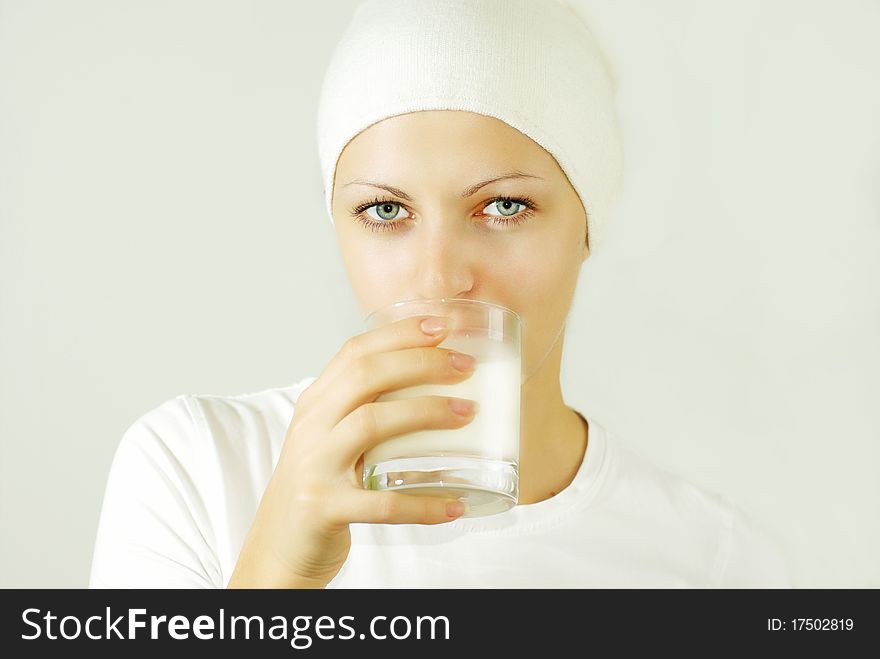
[{"x": 530, "y": 63}]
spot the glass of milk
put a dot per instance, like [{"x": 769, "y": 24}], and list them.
[{"x": 477, "y": 463}]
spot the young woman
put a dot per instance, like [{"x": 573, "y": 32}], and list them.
[{"x": 469, "y": 149}]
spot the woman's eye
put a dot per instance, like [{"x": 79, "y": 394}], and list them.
[
  {"x": 385, "y": 214},
  {"x": 506, "y": 207},
  {"x": 386, "y": 211}
]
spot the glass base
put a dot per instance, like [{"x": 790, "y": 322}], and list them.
[{"x": 486, "y": 486}]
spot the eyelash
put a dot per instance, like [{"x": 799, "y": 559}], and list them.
[{"x": 390, "y": 225}]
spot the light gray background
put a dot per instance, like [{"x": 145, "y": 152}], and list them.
[{"x": 162, "y": 231}]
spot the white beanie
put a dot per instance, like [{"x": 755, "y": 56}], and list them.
[{"x": 530, "y": 63}]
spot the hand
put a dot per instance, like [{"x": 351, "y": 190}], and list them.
[{"x": 300, "y": 535}]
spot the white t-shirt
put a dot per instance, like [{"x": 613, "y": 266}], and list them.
[{"x": 187, "y": 478}]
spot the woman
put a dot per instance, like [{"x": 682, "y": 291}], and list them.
[{"x": 469, "y": 149}]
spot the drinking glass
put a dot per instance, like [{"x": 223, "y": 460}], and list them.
[{"x": 477, "y": 463}]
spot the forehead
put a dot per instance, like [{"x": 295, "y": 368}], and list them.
[{"x": 465, "y": 137}]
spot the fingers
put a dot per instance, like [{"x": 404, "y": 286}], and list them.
[
  {"x": 372, "y": 507},
  {"x": 404, "y": 333},
  {"x": 374, "y": 374},
  {"x": 372, "y": 423}
]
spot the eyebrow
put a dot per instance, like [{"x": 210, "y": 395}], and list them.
[{"x": 467, "y": 192}]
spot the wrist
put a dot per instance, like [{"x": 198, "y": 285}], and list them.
[{"x": 260, "y": 572}]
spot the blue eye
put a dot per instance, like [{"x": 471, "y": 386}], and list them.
[
  {"x": 387, "y": 211},
  {"x": 384, "y": 208},
  {"x": 506, "y": 204}
]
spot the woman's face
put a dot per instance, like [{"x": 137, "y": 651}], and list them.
[{"x": 437, "y": 235}]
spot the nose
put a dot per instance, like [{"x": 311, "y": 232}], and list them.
[
  {"x": 448, "y": 258},
  {"x": 443, "y": 265}
]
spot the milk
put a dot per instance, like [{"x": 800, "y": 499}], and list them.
[{"x": 493, "y": 432}]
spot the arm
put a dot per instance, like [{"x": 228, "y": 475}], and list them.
[{"x": 153, "y": 530}]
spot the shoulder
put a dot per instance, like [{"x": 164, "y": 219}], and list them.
[
  {"x": 158, "y": 438},
  {"x": 733, "y": 548},
  {"x": 750, "y": 556},
  {"x": 189, "y": 424},
  {"x": 249, "y": 421},
  {"x": 184, "y": 482},
  {"x": 640, "y": 481},
  {"x": 203, "y": 443}
]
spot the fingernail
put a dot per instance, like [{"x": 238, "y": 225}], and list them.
[
  {"x": 433, "y": 325},
  {"x": 461, "y": 406},
  {"x": 454, "y": 509},
  {"x": 460, "y": 361}
]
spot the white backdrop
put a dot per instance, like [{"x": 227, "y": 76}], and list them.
[{"x": 162, "y": 231}]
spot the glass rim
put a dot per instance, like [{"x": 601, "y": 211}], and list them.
[{"x": 453, "y": 300}]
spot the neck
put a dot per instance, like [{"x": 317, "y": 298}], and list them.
[{"x": 553, "y": 437}]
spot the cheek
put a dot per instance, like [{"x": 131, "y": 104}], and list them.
[
  {"x": 539, "y": 283},
  {"x": 536, "y": 275},
  {"x": 375, "y": 277}
]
